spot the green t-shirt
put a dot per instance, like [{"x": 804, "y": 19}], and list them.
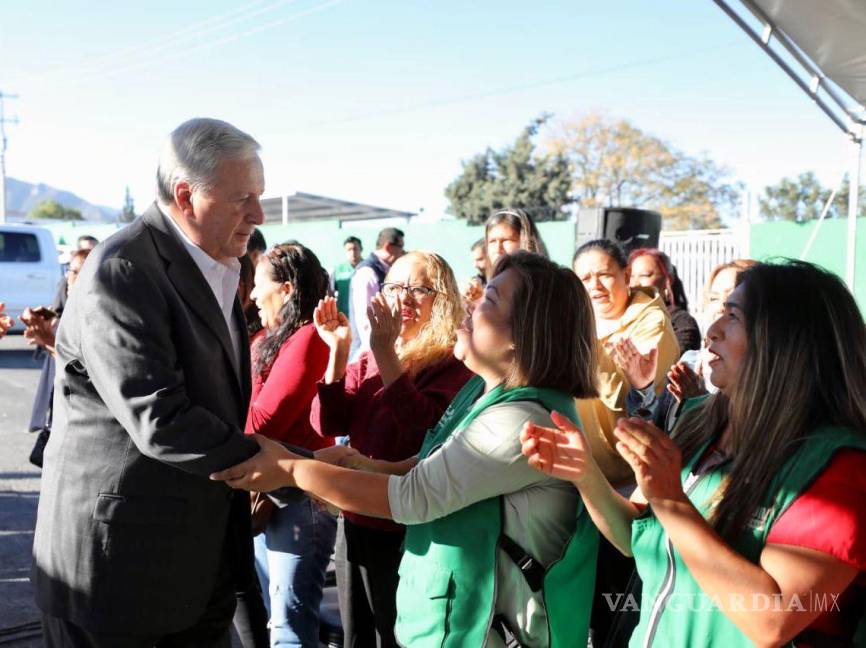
[{"x": 341, "y": 278}]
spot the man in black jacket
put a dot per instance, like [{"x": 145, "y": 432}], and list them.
[{"x": 134, "y": 545}]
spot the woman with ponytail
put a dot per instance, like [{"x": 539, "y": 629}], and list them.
[{"x": 288, "y": 359}]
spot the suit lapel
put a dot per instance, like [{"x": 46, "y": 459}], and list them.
[
  {"x": 245, "y": 368},
  {"x": 195, "y": 291}
]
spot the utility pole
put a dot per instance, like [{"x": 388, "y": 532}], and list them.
[{"x": 3, "y": 122}]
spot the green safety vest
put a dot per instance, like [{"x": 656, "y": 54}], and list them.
[
  {"x": 446, "y": 596},
  {"x": 674, "y": 611}
]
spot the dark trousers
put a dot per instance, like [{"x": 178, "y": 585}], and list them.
[
  {"x": 211, "y": 630},
  {"x": 251, "y": 617},
  {"x": 615, "y": 577},
  {"x": 366, "y": 561}
]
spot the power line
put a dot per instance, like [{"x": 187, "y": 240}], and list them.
[
  {"x": 489, "y": 94},
  {"x": 176, "y": 53},
  {"x": 151, "y": 45},
  {"x": 3, "y": 143}
]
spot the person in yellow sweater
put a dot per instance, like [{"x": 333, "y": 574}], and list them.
[{"x": 620, "y": 314}]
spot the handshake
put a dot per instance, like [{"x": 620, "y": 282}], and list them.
[
  {"x": 345, "y": 457},
  {"x": 273, "y": 466}
]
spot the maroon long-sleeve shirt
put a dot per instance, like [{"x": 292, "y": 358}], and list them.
[
  {"x": 381, "y": 423},
  {"x": 280, "y": 403}
]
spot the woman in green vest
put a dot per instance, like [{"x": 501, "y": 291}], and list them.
[
  {"x": 789, "y": 357},
  {"x": 494, "y": 550}
]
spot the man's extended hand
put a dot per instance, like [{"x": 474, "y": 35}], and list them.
[
  {"x": 267, "y": 470},
  {"x": 337, "y": 455}
]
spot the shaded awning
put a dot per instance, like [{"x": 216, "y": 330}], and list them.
[
  {"x": 310, "y": 207},
  {"x": 820, "y": 44}
]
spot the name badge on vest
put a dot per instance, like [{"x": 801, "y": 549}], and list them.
[{"x": 758, "y": 519}]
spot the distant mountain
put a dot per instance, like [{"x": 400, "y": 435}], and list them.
[{"x": 21, "y": 197}]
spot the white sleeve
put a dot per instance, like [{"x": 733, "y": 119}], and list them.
[{"x": 480, "y": 462}]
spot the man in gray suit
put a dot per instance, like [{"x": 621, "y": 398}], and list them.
[{"x": 134, "y": 545}]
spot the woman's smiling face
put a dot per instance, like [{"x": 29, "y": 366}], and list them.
[
  {"x": 728, "y": 342},
  {"x": 269, "y": 294},
  {"x": 484, "y": 342}
]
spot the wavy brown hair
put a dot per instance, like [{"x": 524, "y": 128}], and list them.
[
  {"x": 435, "y": 341},
  {"x": 804, "y": 367},
  {"x": 552, "y": 325}
]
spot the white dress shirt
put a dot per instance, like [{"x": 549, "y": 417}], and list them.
[{"x": 223, "y": 279}]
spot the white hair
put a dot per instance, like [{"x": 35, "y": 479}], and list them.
[{"x": 194, "y": 150}]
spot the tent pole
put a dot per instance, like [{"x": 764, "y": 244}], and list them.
[{"x": 853, "y": 206}]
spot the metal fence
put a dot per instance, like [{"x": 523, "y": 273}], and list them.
[{"x": 696, "y": 253}]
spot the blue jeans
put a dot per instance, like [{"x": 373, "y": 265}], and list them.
[{"x": 291, "y": 558}]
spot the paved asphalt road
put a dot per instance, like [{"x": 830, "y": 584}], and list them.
[
  {"x": 19, "y": 488},
  {"x": 19, "y": 493}
]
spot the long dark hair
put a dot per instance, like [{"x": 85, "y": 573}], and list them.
[
  {"x": 293, "y": 263},
  {"x": 806, "y": 348},
  {"x": 245, "y": 287},
  {"x": 679, "y": 291},
  {"x": 606, "y": 246}
]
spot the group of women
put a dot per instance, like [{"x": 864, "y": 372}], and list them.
[{"x": 488, "y": 453}]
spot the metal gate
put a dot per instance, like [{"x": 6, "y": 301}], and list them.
[{"x": 696, "y": 253}]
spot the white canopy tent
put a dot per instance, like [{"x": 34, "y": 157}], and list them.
[{"x": 821, "y": 45}]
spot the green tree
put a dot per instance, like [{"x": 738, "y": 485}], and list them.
[
  {"x": 51, "y": 209},
  {"x": 127, "y": 214},
  {"x": 802, "y": 199},
  {"x": 615, "y": 164},
  {"x": 515, "y": 176},
  {"x": 840, "y": 204}
]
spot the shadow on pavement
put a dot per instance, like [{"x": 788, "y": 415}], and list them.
[
  {"x": 19, "y": 475},
  {"x": 19, "y": 359},
  {"x": 17, "y": 521}
]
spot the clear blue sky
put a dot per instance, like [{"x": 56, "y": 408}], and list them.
[{"x": 379, "y": 101}]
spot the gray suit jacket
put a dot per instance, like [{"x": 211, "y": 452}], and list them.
[{"x": 149, "y": 400}]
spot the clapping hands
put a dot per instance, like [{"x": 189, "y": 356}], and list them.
[
  {"x": 561, "y": 452},
  {"x": 685, "y": 383},
  {"x": 39, "y": 328},
  {"x": 653, "y": 456},
  {"x": 473, "y": 290},
  {"x": 639, "y": 370},
  {"x": 386, "y": 323},
  {"x": 332, "y": 325},
  {"x": 6, "y": 322}
]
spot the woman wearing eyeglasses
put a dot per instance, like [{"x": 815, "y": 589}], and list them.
[{"x": 385, "y": 402}]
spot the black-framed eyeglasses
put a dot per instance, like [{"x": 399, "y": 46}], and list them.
[{"x": 418, "y": 292}]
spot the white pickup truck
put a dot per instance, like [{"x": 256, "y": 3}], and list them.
[{"x": 29, "y": 269}]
